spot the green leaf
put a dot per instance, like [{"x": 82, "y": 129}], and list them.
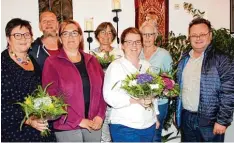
[
  {"x": 22, "y": 122},
  {"x": 115, "y": 85}
]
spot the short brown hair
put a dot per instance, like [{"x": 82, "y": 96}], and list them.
[
  {"x": 129, "y": 30},
  {"x": 67, "y": 22},
  {"x": 200, "y": 20},
  {"x": 13, "y": 23},
  {"x": 102, "y": 27}
]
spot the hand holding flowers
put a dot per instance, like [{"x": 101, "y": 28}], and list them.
[
  {"x": 145, "y": 87},
  {"x": 36, "y": 123},
  {"x": 40, "y": 107}
]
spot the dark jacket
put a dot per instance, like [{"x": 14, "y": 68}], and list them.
[
  {"x": 38, "y": 52},
  {"x": 216, "y": 88},
  {"x": 67, "y": 80}
]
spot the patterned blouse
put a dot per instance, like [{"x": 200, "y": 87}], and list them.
[{"x": 16, "y": 83}]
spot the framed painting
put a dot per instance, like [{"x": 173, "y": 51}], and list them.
[
  {"x": 232, "y": 16},
  {"x": 62, "y": 8},
  {"x": 152, "y": 9}
]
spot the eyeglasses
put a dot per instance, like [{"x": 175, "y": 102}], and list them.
[
  {"x": 201, "y": 36},
  {"x": 148, "y": 34},
  {"x": 19, "y": 36},
  {"x": 72, "y": 33},
  {"x": 130, "y": 42},
  {"x": 109, "y": 33}
]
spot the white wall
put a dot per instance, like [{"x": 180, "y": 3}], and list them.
[
  {"x": 100, "y": 10},
  {"x": 25, "y": 9},
  {"x": 217, "y": 11}
]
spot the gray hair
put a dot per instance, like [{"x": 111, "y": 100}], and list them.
[{"x": 150, "y": 23}]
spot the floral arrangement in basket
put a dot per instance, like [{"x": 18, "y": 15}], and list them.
[
  {"x": 104, "y": 58},
  {"x": 43, "y": 106}
]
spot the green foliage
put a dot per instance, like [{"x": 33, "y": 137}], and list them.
[
  {"x": 43, "y": 106},
  {"x": 168, "y": 137},
  {"x": 104, "y": 58},
  {"x": 142, "y": 90},
  {"x": 223, "y": 40},
  {"x": 194, "y": 12}
]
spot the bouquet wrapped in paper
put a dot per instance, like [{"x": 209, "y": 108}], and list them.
[{"x": 43, "y": 106}]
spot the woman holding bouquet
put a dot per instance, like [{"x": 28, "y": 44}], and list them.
[
  {"x": 105, "y": 35},
  {"x": 20, "y": 76},
  {"x": 130, "y": 121},
  {"x": 79, "y": 78},
  {"x": 160, "y": 59}
]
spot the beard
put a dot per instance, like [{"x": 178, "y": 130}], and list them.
[{"x": 50, "y": 33}]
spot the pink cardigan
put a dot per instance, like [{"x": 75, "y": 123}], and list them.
[{"x": 67, "y": 80}]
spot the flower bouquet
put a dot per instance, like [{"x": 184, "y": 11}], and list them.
[
  {"x": 43, "y": 106},
  {"x": 171, "y": 88},
  {"x": 143, "y": 86},
  {"x": 104, "y": 58}
]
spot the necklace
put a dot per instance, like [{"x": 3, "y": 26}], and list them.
[{"x": 18, "y": 59}]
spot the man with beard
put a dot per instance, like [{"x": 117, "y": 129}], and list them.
[{"x": 48, "y": 44}]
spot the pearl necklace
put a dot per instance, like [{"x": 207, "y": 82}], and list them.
[{"x": 19, "y": 60}]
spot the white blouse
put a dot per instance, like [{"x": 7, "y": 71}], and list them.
[{"x": 124, "y": 113}]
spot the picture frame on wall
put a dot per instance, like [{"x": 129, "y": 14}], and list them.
[
  {"x": 232, "y": 16},
  {"x": 156, "y": 10}
]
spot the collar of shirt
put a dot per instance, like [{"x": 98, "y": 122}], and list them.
[{"x": 195, "y": 59}]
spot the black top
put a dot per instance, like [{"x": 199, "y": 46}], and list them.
[
  {"x": 16, "y": 84},
  {"x": 86, "y": 85}
]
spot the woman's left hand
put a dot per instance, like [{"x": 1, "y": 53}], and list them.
[
  {"x": 157, "y": 124},
  {"x": 36, "y": 123},
  {"x": 97, "y": 123}
]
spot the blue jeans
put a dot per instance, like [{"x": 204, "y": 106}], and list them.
[
  {"x": 161, "y": 117},
  {"x": 121, "y": 133},
  {"x": 196, "y": 129}
]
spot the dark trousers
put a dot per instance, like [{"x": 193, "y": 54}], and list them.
[
  {"x": 161, "y": 117},
  {"x": 195, "y": 129},
  {"x": 121, "y": 133}
]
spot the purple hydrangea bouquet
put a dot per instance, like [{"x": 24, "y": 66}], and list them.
[{"x": 144, "y": 85}]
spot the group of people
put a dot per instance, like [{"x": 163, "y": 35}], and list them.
[{"x": 96, "y": 112}]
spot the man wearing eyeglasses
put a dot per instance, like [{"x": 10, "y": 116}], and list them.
[
  {"x": 49, "y": 43},
  {"x": 206, "y": 77}
]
